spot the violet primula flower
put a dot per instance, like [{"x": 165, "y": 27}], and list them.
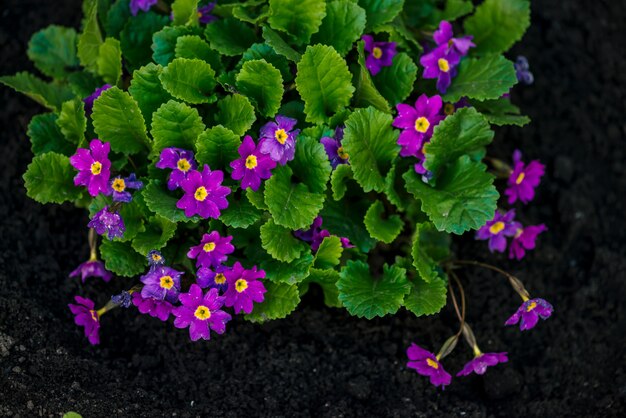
[
  {"x": 417, "y": 123},
  {"x": 336, "y": 154},
  {"x": 109, "y": 223},
  {"x": 522, "y": 71},
  {"x": 497, "y": 229},
  {"x": 441, "y": 64},
  {"x": 523, "y": 179},
  {"x": 318, "y": 237},
  {"x": 94, "y": 167},
  {"x": 92, "y": 268},
  {"x": 123, "y": 299},
  {"x": 204, "y": 14},
  {"x": 480, "y": 363},
  {"x": 308, "y": 234},
  {"x": 244, "y": 288},
  {"x": 212, "y": 250},
  {"x": 155, "y": 258},
  {"x": 155, "y": 308},
  {"x": 345, "y": 242},
  {"x": 201, "y": 313},
  {"x": 145, "y": 5},
  {"x": 180, "y": 161},
  {"x": 524, "y": 239},
  {"x": 529, "y": 313},
  {"x": 279, "y": 140},
  {"x": 444, "y": 37},
  {"x": 204, "y": 194},
  {"x": 121, "y": 185},
  {"x": 161, "y": 283},
  {"x": 92, "y": 98},
  {"x": 380, "y": 54},
  {"x": 87, "y": 317},
  {"x": 253, "y": 166},
  {"x": 213, "y": 278},
  {"x": 426, "y": 363}
]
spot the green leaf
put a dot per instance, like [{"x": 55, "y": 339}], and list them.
[
  {"x": 366, "y": 92},
  {"x": 482, "y": 78},
  {"x": 380, "y": 12},
  {"x": 280, "y": 243},
  {"x": 136, "y": 38},
  {"x": 385, "y": 230},
  {"x": 501, "y": 112},
  {"x": 185, "y": 12},
  {"x": 121, "y": 258},
  {"x": 175, "y": 124},
  {"x": 280, "y": 300},
  {"x": 291, "y": 205},
  {"x": 133, "y": 217},
  {"x": 230, "y": 36},
  {"x": 50, "y": 95},
  {"x": 429, "y": 248},
  {"x": 90, "y": 39},
  {"x": 72, "y": 121},
  {"x": 395, "y": 83},
  {"x": 310, "y": 164},
  {"x": 366, "y": 296},
  {"x": 240, "y": 213},
  {"x": 157, "y": 233},
  {"x": 164, "y": 43},
  {"x": 327, "y": 279},
  {"x": 217, "y": 147},
  {"x": 190, "y": 80},
  {"x": 117, "y": 119},
  {"x": 345, "y": 219},
  {"x": 298, "y": 18},
  {"x": 497, "y": 24},
  {"x": 507, "y": 119},
  {"x": 324, "y": 83},
  {"x": 338, "y": 179},
  {"x": 109, "y": 61},
  {"x": 236, "y": 113},
  {"x": 266, "y": 52},
  {"x": 262, "y": 83},
  {"x": 72, "y": 415},
  {"x": 464, "y": 198},
  {"x": 146, "y": 89},
  {"x": 116, "y": 18},
  {"x": 194, "y": 47},
  {"x": 159, "y": 201},
  {"x": 426, "y": 298},
  {"x": 83, "y": 83},
  {"x": 257, "y": 198},
  {"x": 343, "y": 25},
  {"x": 45, "y": 136},
  {"x": 49, "y": 178},
  {"x": 452, "y": 11},
  {"x": 53, "y": 50},
  {"x": 462, "y": 133},
  {"x": 290, "y": 273},
  {"x": 329, "y": 253},
  {"x": 279, "y": 45},
  {"x": 394, "y": 189},
  {"x": 371, "y": 143}
]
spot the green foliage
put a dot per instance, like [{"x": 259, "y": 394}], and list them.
[
  {"x": 121, "y": 258},
  {"x": 395, "y": 83},
  {"x": 191, "y": 80},
  {"x": 90, "y": 39},
  {"x": 366, "y": 92},
  {"x": 380, "y": 12},
  {"x": 299, "y": 19},
  {"x": 194, "y": 47},
  {"x": 382, "y": 229},
  {"x": 109, "y": 61},
  {"x": 50, "y": 95},
  {"x": 279, "y": 242},
  {"x": 230, "y": 36},
  {"x": 279, "y": 45},
  {"x": 426, "y": 298},
  {"x": 177, "y": 125},
  {"x": 49, "y": 178},
  {"x": 162, "y": 203},
  {"x": 338, "y": 179},
  {"x": 327, "y": 280},
  {"x": 240, "y": 213},
  {"x": 185, "y": 12},
  {"x": 53, "y": 51},
  {"x": 45, "y": 135},
  {"x": 329, "y": 253},
  {"x": 262, "y": 83},
  {"x": 310, "y": 164},
  {"x": 482, "y": 78},
  {"x": 164, "y": 43},
  {"x": 217, "y": 147},
  {"x": 72, "y": 121},
  {"x": 280, "y": 300},
  {"x": 136, "y": 38},
  {"x": 343, "y": 25},
  {"x": 429, "y": 248},
  {"x": 157, "y": 233},
  {"x": 290, "y": 273},
  {"x": 236, "y": 113},
  {"x": 147, "y": 90}
]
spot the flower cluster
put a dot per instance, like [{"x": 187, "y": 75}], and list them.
[{"x": 315, "y": 235}]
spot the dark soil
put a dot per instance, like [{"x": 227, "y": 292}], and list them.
[{"x": 321, "y": 361}]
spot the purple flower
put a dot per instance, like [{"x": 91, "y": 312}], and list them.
[
  {"x": 86, "y": 316},
  {"x": 92, "y": 98},
  {"x": 120, "y": 186},
  {"x": 308, "y": 234},
  {"x": 161, "y": 283},
  {"x": 380, "y": 54},
  {"x": 427, "y": 364},
  {"x": 155, "y": 258},
  {"x": 522, "y": 71},
  {"x": 215, "y": 278},
  {"x": 524, "y": 239},
  {"x": 345, "y": 242},
  {"x": 441, "y": 64},
  {"x": 201, "y": 313},
  {"x": 497, "y": 229},
  {"x": 144, "y": 5},
  {"x": 523, "y": 179},
  {"x": 417, "y": 123},
  {"x": 108, "y": 222},
  {"x": 204, "y": 14},
  {"x": 124, "y": 299},
  {"x": 253, "y": 166},
  {"x": 94, "y": 167},
  {"x": 204, "y": 194},
  {"x": 318, "y": 238},
  {"x": 212, "y": 250},
  {"x": 92, "y": 268},
  {"x": 444, "y": 37},
  {"x": 180, "y": 161},
  {"x": 529, "y": 313},
  {"x": 279, "y": 140},
  {"x": 480, "y": 363},
  {"x": 336, "y": 154},
  {"x": 244, "y": 288},
  {"x": 155, "y": 308}
]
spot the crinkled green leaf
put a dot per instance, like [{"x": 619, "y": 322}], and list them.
[
  {"x": 83, "y": 83},
  {"x": 298, "y": 18},
  {"x": 266, "y": 52},
  {"x": 380, "y": 12},
  {"x": 290, "y": 273},
  {"x": 262, "y": 83},
  {"x": 482, "y": 78},
  {"x": 385, "y": 230},
  {"x": 157, "y": 233},
  {"x": 280, "y": 243},
  {"x": 257, "y": 198},
  {"x": 191, "y": 80},
  {"x": 327, "y": 279},
  {"x": 146, "y": 89},
  {"x": 366, "y": 93},
  {"x": 236, "y": 113},
  {"x": 163, "y": 202},
  {"x": 394, "y": 189},
  {"x": 121, "y": 258},
  {"x": 329, "y": 253},
  {"x": 230, "y": 36},
  {"x": 426, "y": 298},
  {"x": 345, "y": 219},
  {"x": 367, "y": 296},
  {"x": 217, "y": 147},
  {"x": 248, "y": 13},
  {"x": 50, "y": 95},
  {"x": 72, "y": 121},
  {"x": 240, "y": 213},
  {"x": 429, "y": 248},
  {"x": 310, "y": 164},
  {"x": 185, "y": 12},
  {"x": 177, "y": 125},
  {"x": 164, "y": 43},
  {"x": 90, "y": 39},
  {"x": 395, "y": 83},
  {"x": 343, "y": 25},
  {"x": 118, "y": 120},
  {"x": 46, "y": 136},
  {"x": 53, "y": 50},
  {"x": 136, "y": 38},
  {"x": 49, "y": 178},
  {"x": 279, "y": 45},
  {"x": 280, "y": 300},
  {"x": 498, "y": 24},
  {"x": 463, "y": 199},
  {"x": 370, "y": 141},
  {"x": 133, "y": 217},
  {"x": 338, "y": 179},
  {"x": 324, "y": 83},
  {"x": 116, "y": 18},
  {"x": 109, "y": 62},
  {"x": 193, "y": 46},
  {"x": 501, "y": 112}
]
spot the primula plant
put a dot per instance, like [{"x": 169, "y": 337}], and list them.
[{"x": 232, "y": 155}]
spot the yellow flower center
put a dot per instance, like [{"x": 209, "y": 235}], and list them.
[
  {"x": 201, "y": 194},
  {"x": 94, "y": 315},
  {"x": 119, "y": 185},
  {"x": 156, "y": 257},
  {"x": 199, "y": 13},
  {"x": 183, "y": 165},
  {"x": 520, "y": 178},
  {"x": 96, "y": 168},
  {"x": 432, "y": 363},
  {"x": 497, "y": 227},
  {"x": 166, "y": 282},
  {"x": 531, "y": 306},
  {"x": 241, "y": 285},
  {"x": 251, "y": 162},
  {"x": 220, "y": 278},
  {"x": 209, "y": 246},
  {"x": 377, "y": 52},
  {"x": 443, "y": 64},
  {"x": 202, "y": 312},
  {"x": 448, "y": 109},
  {"x": 422, "y": 124},
  {"x": 342, "y": 153},
  {"x": 281, "y": 136}
]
